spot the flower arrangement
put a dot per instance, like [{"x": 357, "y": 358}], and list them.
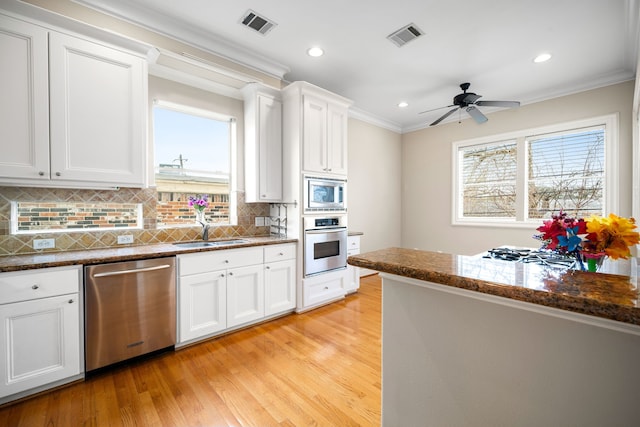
[
  {"x": 612, "y": 237},
  {"x": 199, "y": 204}
]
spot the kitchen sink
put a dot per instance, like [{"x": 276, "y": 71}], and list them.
[{"x": 207, "y": 244}]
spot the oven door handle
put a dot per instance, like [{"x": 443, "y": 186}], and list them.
[{"x": 333, "y": 230}]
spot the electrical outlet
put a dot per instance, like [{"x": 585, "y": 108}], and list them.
[
  {"x": 44, "y": 243},
  {"x": 124, "y": 239},
  {"x": 259, "y": 221}
]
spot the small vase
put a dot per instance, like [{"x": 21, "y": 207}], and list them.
[
  {"x": 200, "y": 217},
  {"x": 594, "y": 261}
]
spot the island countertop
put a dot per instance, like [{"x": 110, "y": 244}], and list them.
[{"x": 604, "y": 295}]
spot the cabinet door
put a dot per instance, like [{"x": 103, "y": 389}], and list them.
[
  {"x": 245, "y": 295},
  {"x": 337, "y": 140},
  {"x": 270, "y": 149},
  {"x": 314, "y": 150},
  {"x": 98, "y": 116},
  {"x": 24, "y": 122},
  {"x": 40, "y": 342},
  {"x": 279, "y": 286},
  {"x": 203, "y": 305}
]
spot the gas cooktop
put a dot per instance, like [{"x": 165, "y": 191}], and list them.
[{"x": 534, "y": 256}]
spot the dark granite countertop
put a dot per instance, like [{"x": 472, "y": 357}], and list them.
[
  {"x": 604, "y": 295},
  {"x": 96, "y": 256}
]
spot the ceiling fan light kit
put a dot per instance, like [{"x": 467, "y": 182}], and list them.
[{"x": 468, "y": 101}]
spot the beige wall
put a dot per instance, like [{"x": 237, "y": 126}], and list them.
[
  {"x": 426, "y": 168},
  {"x": 374, "y": 189}
]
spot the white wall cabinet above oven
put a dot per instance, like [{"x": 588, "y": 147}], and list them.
[
  {"x": 74, "y": 110},
  {"x": 262, "y": 144},
  {"x": 316, "y": 120}
]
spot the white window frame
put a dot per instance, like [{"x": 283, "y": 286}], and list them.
[
  {"x": 233, "y": 135},
  {"x": 611, "y": 199}
]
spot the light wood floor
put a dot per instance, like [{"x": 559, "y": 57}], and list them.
[{"x": 320, "y": 368}]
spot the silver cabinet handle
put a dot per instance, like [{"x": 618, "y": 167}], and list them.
[
  {"x": 70, "y": 301},
  {"x": 41, "y": 173},
  {"x": 58, "y": 174},
  {"x": 230, "y": 274},
  {"x": 267, "y": 267},
  {"x": 34, "y": 287},
  {"x": 226, "y": 261},
  {"x": 138, "y": 270},
  {"x": 221, "y": 274},
  {"x": 280, "y": 254}
]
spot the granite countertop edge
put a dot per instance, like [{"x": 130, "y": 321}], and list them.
[
  {"x": 432, "y": 273},
  {"x": 11, "y": 263}
]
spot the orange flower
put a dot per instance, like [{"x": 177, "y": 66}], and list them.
[{"x": 612, "y": 235}]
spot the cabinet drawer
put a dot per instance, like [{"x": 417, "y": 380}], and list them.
[
  {"x": 274, "y": 253},
  {"x": 353, "y": 242},
  {"x": 41, "y": 283},
  {"x": 332, "y": 287},
  {"x": 203, "y": 262}
]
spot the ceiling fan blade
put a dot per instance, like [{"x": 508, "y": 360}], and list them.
[
  {"x": 447, "y": 114},
  {"x": 439, "y": 108},
  {"x": 476, "y": 114},
  {"x": 504, "y": 104}
]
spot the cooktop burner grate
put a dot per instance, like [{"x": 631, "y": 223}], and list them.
[{"x": 532, "y": 256}]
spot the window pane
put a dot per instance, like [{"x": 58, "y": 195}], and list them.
[
  {"x": 192, "y": 158},
  {"x": 566, "y": 172},
  {"x": 489, "y": 180},
  {"x": 32, "y": 217}
]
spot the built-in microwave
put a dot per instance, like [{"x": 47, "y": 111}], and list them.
[{"x": 324, "y": 194}]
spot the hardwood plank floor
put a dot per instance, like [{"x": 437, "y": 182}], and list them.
[{"x": 320, "y": 368}]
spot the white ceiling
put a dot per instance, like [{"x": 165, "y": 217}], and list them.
[{"x": 490, "y": 43}]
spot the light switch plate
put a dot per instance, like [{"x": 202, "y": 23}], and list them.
[{"x": 259, "y": 221}]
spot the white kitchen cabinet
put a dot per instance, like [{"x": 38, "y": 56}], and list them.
[
  {"x": 279, "y": 278},
  {"x": 325, "y": 137},
  {"x": 202, "y": 304},
  {"x": 222, "y": 290},
  {"x": 263, "y": 144},
  {"x": 245, "y": 295},
  {"x": 353, "y": 273},
  {"x": 323, "y": 288},
  {"x": 41, "y": 339},
  {"x": 316, "y": 120},
  {"x": 79, "y": 118}
]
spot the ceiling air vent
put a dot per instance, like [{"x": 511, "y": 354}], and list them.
[
  {"x": 405, "y": 34},
  {"x": 256, "y": 22}
]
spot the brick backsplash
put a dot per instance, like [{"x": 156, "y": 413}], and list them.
[{"x": 150, "y": 233}]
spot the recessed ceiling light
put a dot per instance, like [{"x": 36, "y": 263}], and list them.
[
  {"x": 403, "y": 104},
  {"x": 315, "y": 52},
  {"x": 543, "y": 57}
]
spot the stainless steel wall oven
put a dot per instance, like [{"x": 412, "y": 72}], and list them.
[{"x": 325, "y": 244}]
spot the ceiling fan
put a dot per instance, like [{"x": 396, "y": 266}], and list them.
[{"x": 468, "y": 101}]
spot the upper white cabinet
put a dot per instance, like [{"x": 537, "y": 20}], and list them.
[
  {"x": 76, "y": 112},
  {"x": 317, "y": 120},
  {"x": 263, "y": 144}
]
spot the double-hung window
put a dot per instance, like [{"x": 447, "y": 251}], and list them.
[{"x": 518, "y": 178}]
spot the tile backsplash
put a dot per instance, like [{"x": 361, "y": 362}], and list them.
[{"x": 80, "y": 240}]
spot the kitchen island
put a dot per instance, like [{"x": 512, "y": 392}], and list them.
[{"x": 470, "y": 341}]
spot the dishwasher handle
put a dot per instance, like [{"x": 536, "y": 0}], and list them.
[{"x": 136, "y": 270}]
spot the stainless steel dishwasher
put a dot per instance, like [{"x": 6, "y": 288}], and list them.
[{"x": 129, "y": 309}]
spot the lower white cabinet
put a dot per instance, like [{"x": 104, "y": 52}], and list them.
[
  {"x": 224, "y": 289},
  {"x": 353, "y": 273},
  {"x": 202, "y": 304},
  {"x": 323, "y": 288},
  {"x": 41, "y": 339},
  {"x": 245, "y": 295}
]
